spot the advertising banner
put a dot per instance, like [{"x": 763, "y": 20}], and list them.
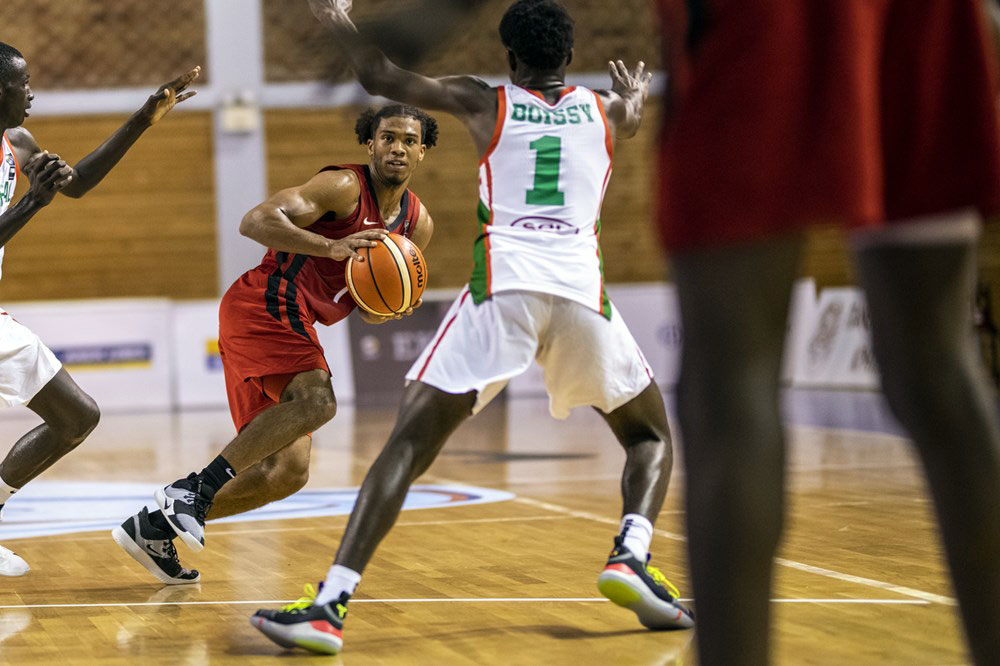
[
  {"x": 198, "y": 379},
  {"x": 118, "y": 351},
  {"x": 383, "y": 353},
  {"x": 836, "y": 348}
]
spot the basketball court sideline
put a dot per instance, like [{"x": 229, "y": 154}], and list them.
[{"x": 495, "y": 560}]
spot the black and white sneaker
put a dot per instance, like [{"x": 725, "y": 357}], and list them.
[
  {"x": 644, "y": 590},
  {"x": 305, "y": 624},
  {"x": 139, "y": 538},
  {"x": 185, "y": 505}
]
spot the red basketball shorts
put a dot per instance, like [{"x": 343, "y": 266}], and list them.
[
  {"x": 263, "y": 344},
  {"x": 783, "y": 113}
]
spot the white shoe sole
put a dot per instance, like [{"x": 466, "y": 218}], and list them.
[
  {"x": 122, "y": 538},
  {"x": 166, "y": 506},
  {"x": 629, "y": 591},
  {"x": 302, "y": 635},
  {"x": 13, "y": 565}
]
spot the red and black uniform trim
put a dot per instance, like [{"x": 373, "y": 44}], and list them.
[{"x": 272, "y": 295}]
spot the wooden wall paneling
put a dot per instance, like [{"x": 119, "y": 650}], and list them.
[
  {"x": 95, "y": 44},
  {"x": 147, "y": 230}
]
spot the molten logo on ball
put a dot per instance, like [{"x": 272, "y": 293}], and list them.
[
  {"x": 391, "y": 278},
  {"x": 418, "y": 266}
]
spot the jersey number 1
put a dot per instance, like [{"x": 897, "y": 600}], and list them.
[{"x": 548, "y": 150}]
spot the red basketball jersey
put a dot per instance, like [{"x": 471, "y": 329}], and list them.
[{"x": 320, "y": 282}]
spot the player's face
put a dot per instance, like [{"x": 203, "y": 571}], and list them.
[
  {"x": 396, "y": 150},
  {"x": 16, "y": 95}
]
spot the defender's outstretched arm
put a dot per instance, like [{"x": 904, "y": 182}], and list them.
[
  {"x": 624, "y": 103},
  {"x": 458, "y": 95},
  {"x": 92, "y": 169}
]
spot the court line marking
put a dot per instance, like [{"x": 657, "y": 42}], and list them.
[
  {"x": 874, "y": 434},
  {"x": 804, "y": 468},
  {"x": 870, "y": 582},
  {"x": 411, "y": 523},
  {"x": 791, "y": 564},
  {"x": 474, "y": 600}
]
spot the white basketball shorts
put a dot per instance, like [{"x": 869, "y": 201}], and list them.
[
  {"x": 587, "y": 360},
  {"x": 26, "y": 365}
]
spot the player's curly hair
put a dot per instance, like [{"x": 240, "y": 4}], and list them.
[
  {"x": 8, "y": 54},
  {"x": 539, "y": 32},
  {"x": 370, "y": 118}
]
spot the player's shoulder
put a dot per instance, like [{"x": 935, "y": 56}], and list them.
[
  {"x": 343, "y": 179},
  {"x": 422, "y": 211},
  {"x": 603, "y": 94},
  {"x": 21, "y": 139},
  {"x": 469, "y": 80},
  {"x": 477, "y": 95},
  {"x": 334, "y": 188}
]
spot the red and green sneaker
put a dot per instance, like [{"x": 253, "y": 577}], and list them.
[
  {"x": 643, "y": 590},
  {"x": 305, "y": 624}
]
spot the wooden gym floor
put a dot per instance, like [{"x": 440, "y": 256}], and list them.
[{"x": 861, "y": 580}]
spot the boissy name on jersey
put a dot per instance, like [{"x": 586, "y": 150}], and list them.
[{"x": 573, "y": 115}]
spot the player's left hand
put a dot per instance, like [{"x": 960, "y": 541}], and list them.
[
  {"x": 168, "y": 96},
  {"x": 625, "y": 82}
]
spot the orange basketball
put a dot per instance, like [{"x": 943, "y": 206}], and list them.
[{"x": 390, "y": 279}]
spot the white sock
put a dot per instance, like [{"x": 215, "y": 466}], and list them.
[
  {"x": 340, "y": 579},
  {"x": 6, "y": 491},
  {"x": 638, "y": 532}
]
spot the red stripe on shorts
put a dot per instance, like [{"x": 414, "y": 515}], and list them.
[{"x": 441, "y": 337}]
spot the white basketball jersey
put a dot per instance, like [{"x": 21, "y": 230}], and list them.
[
  {"x": 8, "y": 180},
  {"x": 541, "y": 185}
]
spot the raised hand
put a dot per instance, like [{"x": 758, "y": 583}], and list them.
[
  {"x": 627, "y": 83},
  {"x": 48, "y": 174},
  {"x": 347, "y": 248},
  {"x": 169, "y": 95}
]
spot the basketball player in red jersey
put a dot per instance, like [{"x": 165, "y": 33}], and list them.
[
  {"x": 29, "y": 372},
  {"x": 493, "y": 331},
  {"x": 277, "y": 378}
]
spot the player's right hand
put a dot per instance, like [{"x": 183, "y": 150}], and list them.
[
  {"x": 347, "y": 248},
  {"x": 48, "y": 174}
]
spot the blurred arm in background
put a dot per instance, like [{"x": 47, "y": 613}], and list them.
[
  {"x": 468, "y": 98},
  {"x": 408, "y": 34},
  {"x": 92, "y": 169}
]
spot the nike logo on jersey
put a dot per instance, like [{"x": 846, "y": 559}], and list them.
[{"x": 370, "y": 223}]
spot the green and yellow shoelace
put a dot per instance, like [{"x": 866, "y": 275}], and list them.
[
  {"x": 660, "y": 579},
  {"x": 303, "y": 602}
]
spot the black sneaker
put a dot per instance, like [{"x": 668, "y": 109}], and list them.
[
  {"x": 643, "y": 589},
  {"x": 317, "y": 628},
  {"x": 184, "y": 505},
  {"x": 146, "y": 545}
]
